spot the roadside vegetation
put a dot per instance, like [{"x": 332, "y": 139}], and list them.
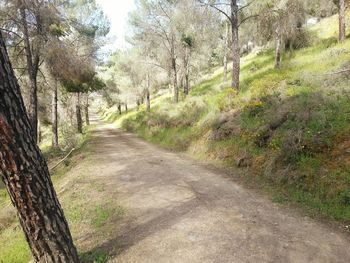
[
  {"x": 287, "y": 128},
  {"x": 86, "y": 209}
]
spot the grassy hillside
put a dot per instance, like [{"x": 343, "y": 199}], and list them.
[{"x": 288, "y": 128}]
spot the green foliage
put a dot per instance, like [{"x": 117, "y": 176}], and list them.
[
  {"x": 95, "y": 256},
  {"x": 345, "y": 197},
  {"x": 101, "y": 216},
  {"x": 91, "y": 84}
]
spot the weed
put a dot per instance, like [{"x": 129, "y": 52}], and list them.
[
  {"x": 95, "y": 256},
  {"x": 101, "y": 216}
]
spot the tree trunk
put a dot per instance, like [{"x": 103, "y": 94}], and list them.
[
  {"x": 32, "y": 73},
  {"x": 187, "y": 70},
  {"x": 54, "y": 116},
  {"x": 148, "y": 95},
  {"x": 278, "y": 48},
  {"x": 137, "y": 105},
  {"x": 78, "y": 113},
  {"x": 236, "y": 60},
  {"x": 87, "y": 118},
  {"x": 120, "y": 109},
  {"x": 126, "y": 107},
  {"x": 26, "y": 176},
  {"x": 148, "y": 100},
  {"x": 39, "y": 132},
  {"x": 342, "y": 33},
  {"x": 175, "y": 86},
  {"x": 226, "y": 50}
]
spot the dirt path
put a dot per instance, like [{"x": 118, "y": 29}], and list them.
[{"x": 179, "y": 211}]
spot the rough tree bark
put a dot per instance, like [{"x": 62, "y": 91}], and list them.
[
  {"x": 278, "y": 48},
  {"x": 226, "y": 50},
  {"x": 236, "y": 60},
  {"x": 25, "y": 174},
  {"x": 78, "y": 113},
  {"x": 54, "y": 115},
  {"x": 86, "y": 108},
  {"x": 32, "y": 68},
  {"x": 342, "y": 33}
]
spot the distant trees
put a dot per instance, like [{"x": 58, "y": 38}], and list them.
[
  {"x": 43, "y": 37},
  {"x": 27, "y": 24},
  {"x": 281, "y": 21},
  {"x": 26, "y": 176}
]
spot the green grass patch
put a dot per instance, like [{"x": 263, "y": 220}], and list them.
[
  {"x": 101, "y": 215},
  {"x": 14, "y": 248},
  {"x": 94, "y": 256}
]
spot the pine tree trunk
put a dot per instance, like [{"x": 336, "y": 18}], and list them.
[
  {"x": 175, "y": 86},
  {"x": 32, "y": 72},
  {"x": 278, "y": 48},
  {"x": 148, "y": 100},
  {"x": 187, "y": 83},
  {"x": 187, "y": 70},
  {"x": 78, "y": 113},
  {"x": 236, "y": 60},
  {"x": 226, "y": 50},
  {"x": 25, "y": 174},
  {"x": 54, "y": 116},
  {"x": 87, "y": 117},
  {"x": 342, "y": 33},
  {"x": 148, "y": 95}
]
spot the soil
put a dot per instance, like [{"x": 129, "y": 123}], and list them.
[{"x": 178, "y": 210}]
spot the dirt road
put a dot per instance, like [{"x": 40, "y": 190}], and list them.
[{"x": 180, "y": 211}]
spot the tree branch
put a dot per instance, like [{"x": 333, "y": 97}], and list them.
[{"x": 216, "y": 8}]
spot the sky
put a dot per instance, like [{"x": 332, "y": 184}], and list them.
[{"x": 117, "y": 12}]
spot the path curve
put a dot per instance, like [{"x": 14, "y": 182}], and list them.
[{"x": 180, "y": 211}]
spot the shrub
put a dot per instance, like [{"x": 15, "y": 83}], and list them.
[
  {"x": 345, "y": 196},
  {"x": 329, "y": 42}
]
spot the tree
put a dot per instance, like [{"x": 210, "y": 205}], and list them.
[
  {"x": 342, "y": 27},
  {"x": 25, "y": 174},
  {"x": 153, "y": 27},
  {"x": 233, "y": 15},
  {"x": 282, "y": 22}
]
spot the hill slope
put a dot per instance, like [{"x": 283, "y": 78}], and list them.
[{"x": 288, "y": 128}]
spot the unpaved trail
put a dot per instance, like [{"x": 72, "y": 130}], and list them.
[{"x": 181, "y": 211}]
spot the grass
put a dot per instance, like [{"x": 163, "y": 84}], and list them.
[
  {"x": 83, "y": 202},
  {"x": 14, "y": 248},
  {"x": 95, "y": 256},
  {"x": 291, "y": 125}
]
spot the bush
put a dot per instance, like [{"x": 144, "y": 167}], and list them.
[
  {"x": 345, "y": 196},
  {"x": 329, "y": 42},
  {"x": 225, "y": 99}
]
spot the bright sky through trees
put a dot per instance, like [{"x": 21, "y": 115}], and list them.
[{"x": 117, "y": 12}]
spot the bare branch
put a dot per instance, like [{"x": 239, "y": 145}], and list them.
[
  {"x": 247, "y": 18},
  {"x": 216, "y": 8}
]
